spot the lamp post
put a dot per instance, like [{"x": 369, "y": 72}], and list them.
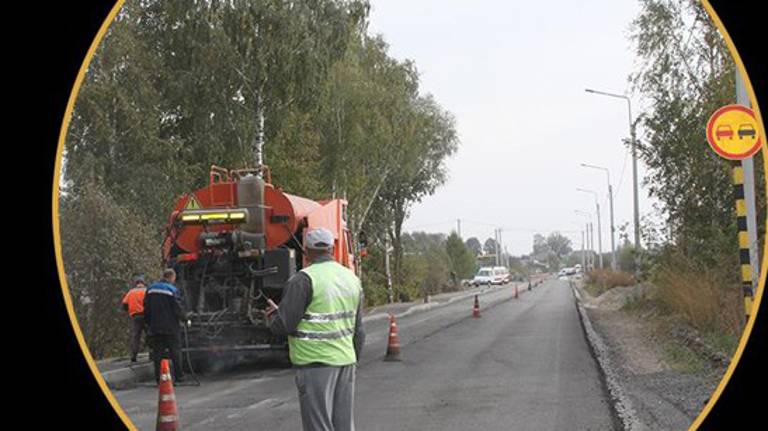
[
  {"x": 633, "y": 145},
  {"x": 590, "y": 238},
  {"x": 583, "y": 255},
  {"x": 610, "y": 200},
  {"x": 599, "y": 231}
]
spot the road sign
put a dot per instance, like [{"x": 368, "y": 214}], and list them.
[{"x": 733, "y": 133}]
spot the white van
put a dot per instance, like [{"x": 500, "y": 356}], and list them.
[
  {"x": 484, "y": 276},
  {"x": 491, "y": 275}
]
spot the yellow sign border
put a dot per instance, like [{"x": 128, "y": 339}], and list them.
[{"x": 68, "y": 299}]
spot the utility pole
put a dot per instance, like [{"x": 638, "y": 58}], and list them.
[
  {"x": 496, "y": 243},
  {"x": 599, "y": 231},
  {"x": 599, "y": 237},
  {"x": 633, "y": 145},
  {"x": 748, "y": 166},
  {"x": 589, "y": 246},
  {"x": 458, "y": 227},
  {"x": 592, "y": 244},
  {"x": 635, "y": 194},
  {"x": 589, "y": 238},
  {"x": 501, "y": 250},
  {"x": 583, "y": 256},
  {"x": 614, "y": 264}
]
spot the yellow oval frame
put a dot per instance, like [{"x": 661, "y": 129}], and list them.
[{"x": 68, "y": 300}]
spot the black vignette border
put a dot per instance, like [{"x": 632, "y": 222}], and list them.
[
  {"x": 738, "y": 403},
  {"x": 61, "y": 40}
]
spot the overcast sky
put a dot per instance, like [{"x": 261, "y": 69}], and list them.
[{"x": 513, "y": 73}]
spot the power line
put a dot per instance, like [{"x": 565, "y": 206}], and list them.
[{"x": 495, "y": 226}]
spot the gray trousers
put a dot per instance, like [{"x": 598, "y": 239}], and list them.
[
  {"x": 326, "y": 397},
  {"x": 137, "y": 329}
]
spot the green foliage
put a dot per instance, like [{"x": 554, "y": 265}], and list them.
[
  {"x": 104, "y": 245},
  {"x": 518, "y": 268},
  {"x": 686, "y": 74},
  {"x": 554, "y": 249},
  {"x": 473, "y": 244},
  {"x": 178, "y": 86},
  {"x": 489, "y": 246},
  {"x": 462, "y": 261}
]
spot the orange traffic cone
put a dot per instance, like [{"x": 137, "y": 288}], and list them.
[
  {"x": 393, "y": 345},
  {"x": 167, "y": 414},
  {"x": 476, "y": 308},
  {"x": 516, "y": 296}
]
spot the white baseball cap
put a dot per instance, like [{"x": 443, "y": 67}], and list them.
[{"x": 320, "y": 239}]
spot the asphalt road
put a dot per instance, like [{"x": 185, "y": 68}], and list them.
[{"x": 524, "y": 365}]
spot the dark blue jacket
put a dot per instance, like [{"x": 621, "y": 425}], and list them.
[{"x": 162, "y": 309}]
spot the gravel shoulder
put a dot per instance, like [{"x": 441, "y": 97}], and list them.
[{"x": 663, "y": 394}]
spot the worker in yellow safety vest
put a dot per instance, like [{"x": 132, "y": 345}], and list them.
[{"x": 321, "y": 313}]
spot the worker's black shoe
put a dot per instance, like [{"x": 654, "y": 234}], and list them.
[{"x": 134, "y": 359}]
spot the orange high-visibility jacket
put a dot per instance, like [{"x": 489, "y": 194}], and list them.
[{"x": 135, "y": 300}]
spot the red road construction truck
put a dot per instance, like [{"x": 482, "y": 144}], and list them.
[{"x": 234, "y": 243}]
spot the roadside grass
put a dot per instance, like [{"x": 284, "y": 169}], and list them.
[
  {"x": 637, "y": 303},
  {"x": 599, "y": 281},
  {"x": 724, "y": 343},
  {"x": 702, "y": 298},
  {"x": 685, "y": 297},
  {"x": 593, "y": 289},
  {"x": 682, "y": 358}
]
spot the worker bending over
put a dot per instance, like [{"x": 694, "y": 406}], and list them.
[{"x": 133, "y": 303}]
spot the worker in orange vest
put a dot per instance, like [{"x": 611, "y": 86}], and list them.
[{"x": 133, "y": 303}]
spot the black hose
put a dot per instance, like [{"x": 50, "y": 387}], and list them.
[{"x": 195, "y": 382}]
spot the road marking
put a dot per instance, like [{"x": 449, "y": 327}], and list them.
[
  {"x": 231, "y": 388},
  {"x": 260, "y": 403}
]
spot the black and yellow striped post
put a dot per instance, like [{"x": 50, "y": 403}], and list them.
[{"x": 741, "y": 222}]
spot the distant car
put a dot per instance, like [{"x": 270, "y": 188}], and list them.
[
  {"x": 746, "y": 129},
  {"x": 724, "y": 131},
  {"x": 501, "y": 275}
]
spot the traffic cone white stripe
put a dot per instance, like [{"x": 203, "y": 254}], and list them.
[
  {"x": 168, "y": 397},
  {"x": 169, "y": 418},
  {"x": 165, "y": 377}
]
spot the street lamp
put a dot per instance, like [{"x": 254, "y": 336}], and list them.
[
  {"x": 583, "y": 253},
  {"x": 599, "y": 231},
  {"x": 610, "y": 200},
  {"x": 590, "y": 237},
  {"x": 633, "y": 144}
]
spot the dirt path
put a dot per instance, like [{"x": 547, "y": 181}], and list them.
[{"x": 664, "y": 396}]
